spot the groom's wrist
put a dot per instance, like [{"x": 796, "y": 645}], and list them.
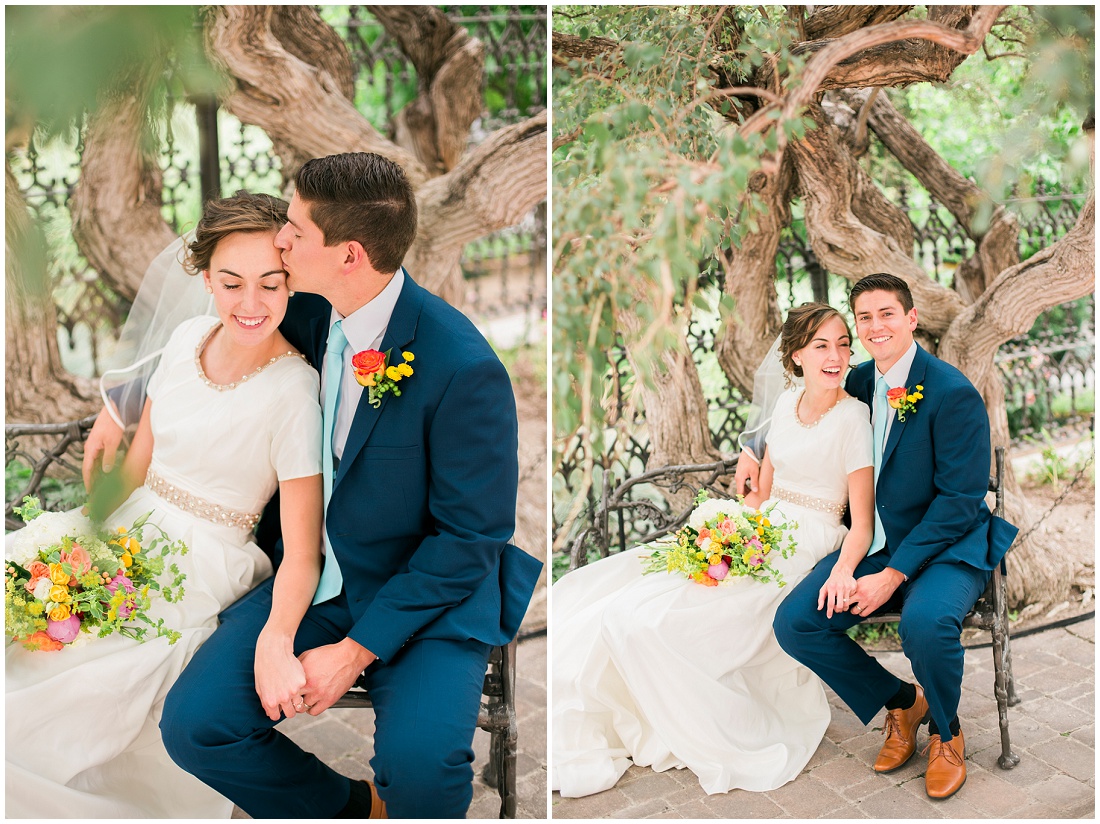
[
  {"x": 896, "y": 577},
  {"x": 358, "y": 655}
]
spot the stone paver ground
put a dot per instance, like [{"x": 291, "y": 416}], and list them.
[
  {"x": 344, "y": 739},
  {"x": 1053, "y": 731}
]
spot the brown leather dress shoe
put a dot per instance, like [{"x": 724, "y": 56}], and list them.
[
  {"x": 901, "y": 734},
  {"x": 377, "y": 805},
  {"x": 946, "y": 767}
]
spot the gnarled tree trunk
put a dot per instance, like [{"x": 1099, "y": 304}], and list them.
[{"x": 37, "y": 389}]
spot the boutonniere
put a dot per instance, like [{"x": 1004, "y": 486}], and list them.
[
  {"x": 904, "y": 401},
  {"x": 373, "y": 371}
]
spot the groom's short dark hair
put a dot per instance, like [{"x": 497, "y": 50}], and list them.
[
  {"x": 364, "y": 197},
  {"x": 882, "y": 282}
]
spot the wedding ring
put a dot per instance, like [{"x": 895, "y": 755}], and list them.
[{"x": 302, "y": 706}]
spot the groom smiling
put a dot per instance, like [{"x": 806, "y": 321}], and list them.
[
  {"x": 935, "y": 542},
  {"x": 419, "y": 577}
]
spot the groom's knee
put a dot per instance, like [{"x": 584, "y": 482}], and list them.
[
  {"x": 796, "y": 622},
  {"x": 423, "y": 777},
  {"x": 183, "y": 727}
]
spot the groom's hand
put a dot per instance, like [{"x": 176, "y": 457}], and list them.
[
  {"x": 331, "y": 671},
  {"x": 872, "y": 591}
]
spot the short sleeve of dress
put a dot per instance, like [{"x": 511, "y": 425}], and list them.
[
  {"x": 784, "y": 406},
  {"x": 858, "y": 437},
  {"x": 296, "y": 440}
]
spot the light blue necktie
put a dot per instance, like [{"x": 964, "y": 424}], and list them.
[
  {"x": 882, "y": 411},
  {"x": 331, "y": 579}
]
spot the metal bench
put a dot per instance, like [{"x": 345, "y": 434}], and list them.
[
  {"x": 641, "y": 501},
  {"x": 55, "y": 450}
]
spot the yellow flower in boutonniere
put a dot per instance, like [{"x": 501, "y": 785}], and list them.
[
  {"x": 372, "y": 372},
  {"x": 904, "y": 401}
]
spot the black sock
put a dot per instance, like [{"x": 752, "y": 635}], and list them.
[
  {"x": 934, "y": 730},
  {"x": 359, "y": 802},
  {"x": 903, "y": 699}
]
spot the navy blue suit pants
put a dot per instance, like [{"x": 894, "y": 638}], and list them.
[
  {"x": 932, "y": 605},
  {"x": 425, "y": 700}
]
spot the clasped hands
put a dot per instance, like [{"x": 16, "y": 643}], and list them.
[
  {"x": 309, "y": 683},
  {"x": 842, "y": 592}
]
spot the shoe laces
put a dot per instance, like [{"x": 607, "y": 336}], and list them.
[
  {"x": 942, "y": 750},
  {"x": 892, "y": 726}
]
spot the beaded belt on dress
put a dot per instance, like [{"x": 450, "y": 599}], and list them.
[
  {"x": 215, "y": 513},
  {"x": 819, "y": 504}
]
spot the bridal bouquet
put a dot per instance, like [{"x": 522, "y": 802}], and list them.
[
  {"x": 65, "y": 580},
  {"x": 723, "y": 540}
]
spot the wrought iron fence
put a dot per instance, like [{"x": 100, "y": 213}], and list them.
[
  {"x": 505, "y": 272},
  {"x": 1049, "y": 374}
]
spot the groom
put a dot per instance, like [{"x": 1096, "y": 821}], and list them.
[
  {"x": 419, "y": 579},
  {"x": 934, "y": 548}
]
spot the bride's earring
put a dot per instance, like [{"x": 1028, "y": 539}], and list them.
[
  {"x": 290, "y": 293},
  {"x": 209, "y": 290}
]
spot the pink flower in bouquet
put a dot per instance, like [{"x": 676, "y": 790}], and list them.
[
  {"x": 121, "y": 580},
  {"x": 78, "y": 559},
  {"x": 754, "y": 542},
  {"x": 727, "y": 526},
  {"x": 718, "y": 571},
  {"x": 63, "y": 631},
  {"x": 703, "y": 540}
]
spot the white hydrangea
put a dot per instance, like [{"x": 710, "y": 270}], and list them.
[
  {"x": 709, "y": 509},
  {"x": 46, "y": 530}
]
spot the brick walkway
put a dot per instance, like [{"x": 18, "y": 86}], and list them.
[
  {"x": 1053, "y": 732},
  {"x": 345, "y": 740}
]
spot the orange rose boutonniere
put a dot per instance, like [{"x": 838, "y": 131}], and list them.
[
  {"x": 904, "y": 401},
  {"x": 372, "y": 372}
]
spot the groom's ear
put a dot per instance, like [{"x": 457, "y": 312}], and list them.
[{"x": 354, "y": 254}]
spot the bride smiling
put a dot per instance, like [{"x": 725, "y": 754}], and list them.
[{"x": 232, "y": 416}]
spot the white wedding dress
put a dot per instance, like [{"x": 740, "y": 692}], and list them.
[
  {"x": 660, "y": 671},
  {"x": 82, "y": 737}
]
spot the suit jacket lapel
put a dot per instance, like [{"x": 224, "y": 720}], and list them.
[
  {"x": 915, "y": 376},
  {"x": 399, "y": 333},
  {"x": 318, "y": 337}
]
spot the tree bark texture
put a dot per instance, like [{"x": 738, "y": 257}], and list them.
[
  {"x": 37, "y": 389},
  {"x": 461, "y": 195},
  {"x": 117, "y": 221},
  {"x": 750, "y": 272},
  {"x": 450, "y": 66},
  {"x": 830, "y": 182}
]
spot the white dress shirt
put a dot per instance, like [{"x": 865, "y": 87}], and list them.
[
  {"x": 896, "y": 376},
  {"x": 364, "y": 328}
]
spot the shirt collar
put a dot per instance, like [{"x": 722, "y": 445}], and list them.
[
  {"x": 898, "y": 374},
  {"x": 366, "y": 326}
]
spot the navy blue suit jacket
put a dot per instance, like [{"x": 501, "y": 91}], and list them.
[
  {"x": 423, "y": 504},
  {"x": 935, "y": 472}
]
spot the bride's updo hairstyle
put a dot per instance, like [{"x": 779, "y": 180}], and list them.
[
  {"x": 244, "y": 212},
  {"x": 799, "y": 329}
]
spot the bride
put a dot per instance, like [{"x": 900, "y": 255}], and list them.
[
  {"x": 232, "y": 416},
  {"x": 662, "y": 672}
]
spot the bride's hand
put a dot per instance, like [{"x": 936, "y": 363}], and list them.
[
  {"x": 836, "y": 593},
  {"x": 279, "y": 677}
]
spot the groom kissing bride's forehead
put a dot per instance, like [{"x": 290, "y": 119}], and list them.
[
  {"x": 417, "y": 590},
  {"x": 935, "y": 541},
  {"x": 411, "y": 593}
]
